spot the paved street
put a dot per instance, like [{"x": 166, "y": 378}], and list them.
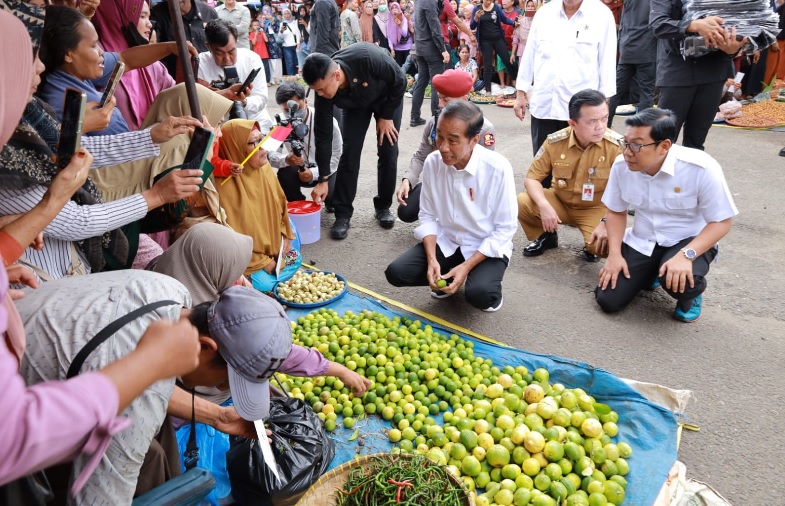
[{"x": 731, "y": 359}]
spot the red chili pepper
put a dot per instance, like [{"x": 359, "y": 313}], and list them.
[{"x": 401, "y": 485}]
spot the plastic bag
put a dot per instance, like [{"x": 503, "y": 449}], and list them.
[
  {"x": 213, "y": 446},
  {"x": 302, "y": 450}
]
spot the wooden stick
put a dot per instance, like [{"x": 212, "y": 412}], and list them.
[{"x": 184, "y": 57}]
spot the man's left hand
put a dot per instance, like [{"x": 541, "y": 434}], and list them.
[
  {"x": 229, "y": 422},
  {"x": 677, "y": 272},
  {"x": 171, "y": 127},
  {"x": 458, "y": 275},
  {"x": 385, "y": 129}
]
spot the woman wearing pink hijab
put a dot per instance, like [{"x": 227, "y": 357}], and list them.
[
  {"x": 400, "y": 34},
  {"x": 122, "y": 24},
  {"x": 34, "y": 436}
]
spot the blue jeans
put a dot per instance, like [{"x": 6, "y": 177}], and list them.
[
  {"x": 302, "y": 54},
  {"x": 290, "y": 60}
]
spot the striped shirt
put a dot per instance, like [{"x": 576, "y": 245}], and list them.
[{"x": 76, "y": 222}]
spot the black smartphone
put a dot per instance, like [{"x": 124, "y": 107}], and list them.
[
  {"x": 71, "y": 126},
  {"x": 201, "y": 140},
  {"x": 231, "y": 77},
  {"x": 114, "y": 80},
  {"x": 248, "y": 81}
]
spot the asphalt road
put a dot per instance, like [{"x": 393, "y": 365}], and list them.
[{"x": 731, "y": 359}]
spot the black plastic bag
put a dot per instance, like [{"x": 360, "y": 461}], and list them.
[{"x": 302, "y": 450}]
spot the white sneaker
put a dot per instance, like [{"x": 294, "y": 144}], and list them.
[
  {"x": 407, "y": 94},
  {"x": 494, "y": 309},
  {"x": 438, "y": 294}
]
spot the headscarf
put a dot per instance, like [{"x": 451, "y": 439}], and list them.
[
  {"x": 382, "y": 18},
  {"x": 115, "y": 23},
  {"x": 207, "y": 259},
  {"x": 392, "y": 28},
  {"x": 366, "y": 24},
  {"x": 292, "y": 24},
  {"x": 32, "y": 17},
  {"x": 16, "y": 53},
  {"x": 255, "y": 203}
]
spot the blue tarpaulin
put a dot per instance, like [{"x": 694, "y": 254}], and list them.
[{"x": 651, "y": 430}]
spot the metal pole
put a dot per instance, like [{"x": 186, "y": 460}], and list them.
[{"x": 185, "y": 57}]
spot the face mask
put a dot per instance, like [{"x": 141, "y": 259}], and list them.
[{"x": 382, "y": 8}]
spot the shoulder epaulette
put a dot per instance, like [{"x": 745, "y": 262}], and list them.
[{"x": 562, "y": 134}]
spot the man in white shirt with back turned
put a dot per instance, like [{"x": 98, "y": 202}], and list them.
[
  {"x": 224, "y": 52},
  {"x": 683, "y": 208},
  {"x": 571, "y": 47},
  {"x": 468, "y": 212}
]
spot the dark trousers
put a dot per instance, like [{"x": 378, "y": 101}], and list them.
[
  {"x": 400, "y": 57},
  {"x": 483, "y": 284},
  {"x": 644, "y": 74},
  {"x": 289, "y": 179},
  {"x": 644, "y": 270},
  {"x": 695, "y": 108},
  {"x": 266, "y": 64},
  {"x": 355, "y": 124},
  {"x": 411, "y": 211},
  {"x": 426, "y": 69},
  {"x": 487, "y": 48},
  {"x": 541, "y": 129},
  {"x": 290, "y": 60}
]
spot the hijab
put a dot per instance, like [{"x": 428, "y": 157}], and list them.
[
  {"x": 255, "y": 203},
  {"x": 382, "y": 18},
  {"x": 207, "y": 259},
  {"x": 366, "y": 24},
  {"x": 16, "y": 53},
  {"x": 392, "y": 28},
  {"x": 115, "y": 23}
]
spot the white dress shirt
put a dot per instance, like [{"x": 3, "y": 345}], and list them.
[
  {"x": 247, "y": 60},
  {"x": 564, "y": 56},
  {"x": 474, "y": 209},
  {"x": 687, "y": 193},
  {"x": 278, "y": 158}
]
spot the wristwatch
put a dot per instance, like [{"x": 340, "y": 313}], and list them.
[{"x": 689, "y": 253}]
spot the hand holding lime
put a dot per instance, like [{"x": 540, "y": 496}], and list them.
[{"x": 441, "y": 283}]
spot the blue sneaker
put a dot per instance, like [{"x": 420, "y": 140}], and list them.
[
  {"x": 693, "y": 314},
  {"x": 655, "y": 285}
]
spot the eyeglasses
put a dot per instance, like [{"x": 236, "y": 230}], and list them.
[
  {"x": 635, "y": 147},
  {"x": 255, "y": 143}
]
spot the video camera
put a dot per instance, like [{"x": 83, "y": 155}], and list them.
[
  {"x": 231, "y": 77},
  {"x": 299, "y": 131}
]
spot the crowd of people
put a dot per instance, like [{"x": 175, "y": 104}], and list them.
[{"x": 181, "y": 262}]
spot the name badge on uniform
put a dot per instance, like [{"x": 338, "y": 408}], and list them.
[{"x": 588, "y": 192}]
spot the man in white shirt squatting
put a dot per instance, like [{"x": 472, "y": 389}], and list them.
[
  {"x": 683, "y": 208},
  {"x": 571, "y": 47},
  {"x": 468, "y": 212}
]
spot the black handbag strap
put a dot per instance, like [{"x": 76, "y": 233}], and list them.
[
  {"x": 108, "y": 331},
  {"x": 191, "y": 455}
]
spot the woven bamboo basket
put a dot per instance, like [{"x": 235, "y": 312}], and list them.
[{"x": 322, "y": 493}]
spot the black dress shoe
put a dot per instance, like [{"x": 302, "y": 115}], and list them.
[
  {"x": 589, "y": 257},
  {"x": 782, "y": 152},
  {"x": 385, "y": 217},
  {"x": 547, "y": 240},
  {"x": 340, "y": 229},
  {"x": 415, "y": 122},
  {"x": 329, "y": 207}
]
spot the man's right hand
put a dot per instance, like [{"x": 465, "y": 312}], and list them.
[
  {"x": 434, "y": 273},
  {"x": 710, "y": 28},
  {"x": 520, "y": 105},
  {"x": 610, "y": 271},
  {"x": 233, "y": 93},
  {"x": 319, "y": 192},
  {"x": 176, "y": 185},
  {"x": 294, "y": 160},
  {"x": 446, "y": 57},
  {"x": 549, "y": 217},
  {"x": 403, "y": 192}
]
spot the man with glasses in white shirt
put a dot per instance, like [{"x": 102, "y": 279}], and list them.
[
  {"x": 571, "y": 47},
  {"x": 683, "y": 208},
  {"x": 467, "y": 215}
]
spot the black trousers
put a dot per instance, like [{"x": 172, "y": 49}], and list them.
[
  {"x": 426, "y": 69},
  {"x": 483, "y": 285},
  {"x": 644, "y": 270},
  {"x": 695, "y": 108},
  {"x": 411, "y": 211},
  {"x": 400, "y": 56},
  {"x": 291, "y": 184},
  {"x": 488, "y": 48},
  {"x": 355, "y": 124},
  {"x": 645, "y": 74},
  {"x": 541, "y": 129}
]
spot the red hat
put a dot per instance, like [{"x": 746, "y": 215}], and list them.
[{"x": 453, "y": 83}]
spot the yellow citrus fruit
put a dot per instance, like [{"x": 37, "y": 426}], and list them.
[{"x": 498, "y": 456}]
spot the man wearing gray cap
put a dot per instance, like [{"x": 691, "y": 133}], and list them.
[{"x": 245, "y": 337}]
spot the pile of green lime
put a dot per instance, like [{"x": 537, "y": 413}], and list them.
[{"x": 508, "y": 432}]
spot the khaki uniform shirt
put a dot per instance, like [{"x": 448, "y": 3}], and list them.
[{"x": 573, "y": 167}]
